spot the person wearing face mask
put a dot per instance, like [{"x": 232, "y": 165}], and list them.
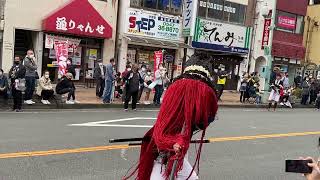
[
  {"x": 4, "y": 87},
  {"x": 147, "y": 80},
  {"x": 143, "y": 73},
  {"x": 31, "y": 76},
  {"x": 133, "y": 80},
  {"x": 305, "y": 91},
  {"x": 124, "y": 74},
  {"x": 70, "y": 67},
  {"x": 66, "y": 86},
  {"x": 99, "y": 73},
  {"x": 221, "y": 83},
  {"x": 45, "y": 89},
  {"x": 109, "y": 79},
  {"x": 313, "y": 91},
  {"x": 159, "y": 88},
  {"x": 17, "y": 74}
]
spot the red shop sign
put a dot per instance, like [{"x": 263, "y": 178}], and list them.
[
  {"x": 287, "y": 22},
  {"x": 78, "y": 17},
  {"x": 158, "y": 58},
  {"x": 266, "y": 33}
]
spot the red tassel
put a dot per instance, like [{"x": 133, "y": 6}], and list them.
[{"x": 187, "y": 103}]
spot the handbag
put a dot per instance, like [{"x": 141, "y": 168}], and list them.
[{"x": 20, "y": 84}]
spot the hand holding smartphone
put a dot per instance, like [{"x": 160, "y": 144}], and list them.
[{"x": 298, "y": 166}]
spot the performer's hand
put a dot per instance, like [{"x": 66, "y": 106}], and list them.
[{"x": 177, "y": 148}]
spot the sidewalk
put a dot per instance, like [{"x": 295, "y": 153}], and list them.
[
  {"x": 87, "y": 96},
  {"x": 88, "y": 100}
]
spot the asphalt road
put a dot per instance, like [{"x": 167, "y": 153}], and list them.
[{"x": 241, "y": 151}]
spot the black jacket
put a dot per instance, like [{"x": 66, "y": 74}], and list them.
[
  {"x": 65, "y": 83},
  {"x": 17, "y": 72},
  {"x": 71, "y": 69},
  {"x": 133, "y": 81},
  {"x": 97, "y": 72}
]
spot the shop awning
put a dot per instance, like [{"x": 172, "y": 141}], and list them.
[
  {"x": 288, "y": 50},
  {"x": 144, "y": 41},
  {"x": 80, "y": 18}
]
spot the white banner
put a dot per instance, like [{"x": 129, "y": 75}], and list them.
[
  {"x": 50, "y": 39},
  {"x": 152, "y": 25},
  {"x": 189, "y": 17},
  {"x": 220, "y": 33}
]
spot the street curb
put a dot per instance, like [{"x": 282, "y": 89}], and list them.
[{"x": 119, "y": 106}]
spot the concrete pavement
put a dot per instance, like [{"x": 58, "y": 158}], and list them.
[{"x": 82, "y": 152}]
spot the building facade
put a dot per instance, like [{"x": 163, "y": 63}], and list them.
[
  {"x": 84, "y": 30},
  {"x": 278, "y": 31},
  {"x": 2, "y": 4},
  {"x": 312, "y": 39},
  {"x": 150, "y": 33},
  {"x": 222, "y": 30}
]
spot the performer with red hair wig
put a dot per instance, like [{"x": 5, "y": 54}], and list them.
[{"x": 189, "y": 105}]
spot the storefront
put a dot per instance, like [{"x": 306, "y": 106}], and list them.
[
  {"x": 83, "y": 30},
  {"x": 227, "y": 44},
  {"x": 147, "y": 36},
  {"x": 292, "y": 66},
  {"x": 71, "y": 35}
]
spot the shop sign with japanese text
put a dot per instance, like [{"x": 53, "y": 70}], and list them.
[
  {"x": 266, "y": 33},
  {"x": 78, "y": 18},
  {"x": 287, "y": 22},
  {"x": 221, "y": 36},
  {"x": 189, "y": 17},
  {"x": 152, "y": 25}
]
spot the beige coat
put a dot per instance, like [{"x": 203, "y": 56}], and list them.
[{"x": 44, "y": 85}]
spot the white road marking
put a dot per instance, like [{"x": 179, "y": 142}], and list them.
[
  {"x": 107, "y": 123},
  {"x": 123, "y": 154}
]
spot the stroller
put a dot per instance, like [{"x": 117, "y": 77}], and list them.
[
  {"x": 286, "y": 99},
  {"x": 253, "y": 96}
]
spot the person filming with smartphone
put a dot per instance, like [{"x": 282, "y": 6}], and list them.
[{"x": 307, "y": 166}]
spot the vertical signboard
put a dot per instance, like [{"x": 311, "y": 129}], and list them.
[
  {"x": 266, "y": 33},
  {"x": 189, "y": 17}
]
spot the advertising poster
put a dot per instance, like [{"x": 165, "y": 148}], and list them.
[
  {"x": 52, "y": 54},
  {"x": 158, "y": 57},
  {"x": 93, "y": 54},
  {"x": 150, "y": 25},
  {"x": 49, "y": 42},
  {"x": 77, "y": 57},
  {"x": 61, "y": 48}
]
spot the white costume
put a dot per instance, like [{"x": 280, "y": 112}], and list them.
[
  {"x": 159, "y": 170},
  {"x": 275, "y": 92}
]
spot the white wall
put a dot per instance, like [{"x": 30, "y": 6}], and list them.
[
  {"x": 259, "y": 27},
  {"x": 28, "y": 14}
]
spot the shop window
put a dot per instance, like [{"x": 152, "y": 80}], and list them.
[
  {"x": 202, "y": 9},
  {"x": 300, "y": 25},
  {"x": 215, "y": 9},
  {"x": 289, "y": 22},
  {"x": 222, "y": 10},
  {"x": 316, "y": 1},
  {"x": 169, "y": 6},
  {"x": 150, "y": 4},
  {"x": 136, "y": 3}
]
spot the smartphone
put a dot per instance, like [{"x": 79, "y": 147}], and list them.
[{"x": 298, "y": 166}]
